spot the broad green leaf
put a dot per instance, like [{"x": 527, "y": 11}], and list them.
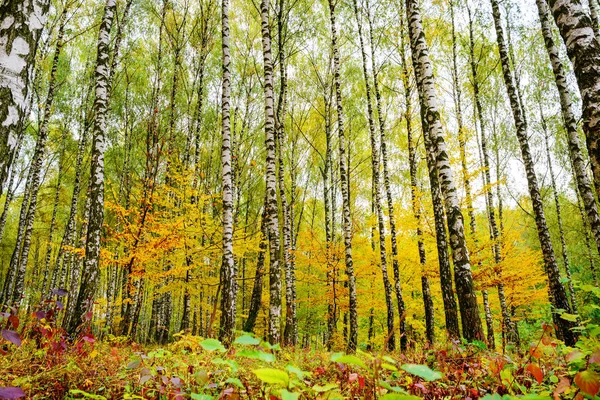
[
  {"x": 325, "y": 388},
  {"x": 569, "y": 317},
  {"x": 256, "y": 354},
  {"x": 389, "y": 387},
  {"x": 134, "y": 364},
  {"x": 247, "y": 340},
  {"x": 236, "y": 382},
  {"x": 273, "y": 376},
  {"x": 294, "y": 370},
  {"x": 212, "y": 345},
  {"x": 196, "y": 396},
  {"x": 422, "y": 371},
  {"x": 86, "y": 394},
  {"x": 285, "y": 395},
  {"x": 389, "y": 367},
  {"x": 348, "y": 359}
]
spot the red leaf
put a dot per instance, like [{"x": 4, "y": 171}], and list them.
[
  {"x": 536, "y": 371},
  {"x": 361, "y": 382},
  {"x": 574, "y": 355},
  {"x": 588, "y": 381},
  {"x": 14, "y": 321},
  {"x": 88, "y": 315},
  {"x": 11, "y": 336},
  {"x": 595, "y": 358},
  {"x": 352, "y": 377}
]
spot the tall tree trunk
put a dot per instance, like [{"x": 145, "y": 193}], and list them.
[
  {"x": 375, "y": 157},
  {"x": 584, "y": 185},
  {"x": 227, "y": 278},
  {"x": 345, "y": 185},
  {"x": 20, "y": 31},
  {"x": 561, "y": 229},
  {"x": 432, "y": 127},
  {"x": 90, "y": 275},
  {"x": 21, "y": 253},
  {"x": 271, "y": 182},
  {"x": 388, "y": 191},
  {"x": 583, "y": 49},
  {"x": 594, "y": 16},
  {"x": 557, "y": 290},
  {"x": 257, "y": 288}
]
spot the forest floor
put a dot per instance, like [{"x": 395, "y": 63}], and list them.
[{"x": 39, "y": 364}]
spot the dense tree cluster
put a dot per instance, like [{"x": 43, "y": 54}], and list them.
[{"x": 351, "y": 174}]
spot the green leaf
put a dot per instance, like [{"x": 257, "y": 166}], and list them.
[
  {"x": 212, "y": 345},
  {"x": 256, "y": 354},
  {"x": 325, "y": 388},
  {"x": 270, "y": 346},
  {"x": 230, "y": 363},
  {"x": 398, "y": 396},
  {"x": 569, "y": 317},
  {"x": 196, "y": 396},
  {"x": 389, "y": 367},
  {"x": 422, "y": 371},
  {"x": 236, "y": 382},
  {"x": 391, "y": 388},
  {"x": 273, "y": 376},
  {"x": 294, "y": 370},
  {"x": 87, "y": 395},
  {"x": 247, "y": 340},
  {"x": 285, "y": 395},
  {"x": 348, "y": 359}
]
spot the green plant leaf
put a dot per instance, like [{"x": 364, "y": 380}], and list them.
[
  {"x": 247, "y": 340},
  {"x": 196, "y": 396},
  {"x": 569, "y": 317},
  {"x": 256, "y": 354},
  {"x": 325, "y": 388},
  {"x": 285, "y": 395},
  {"x": 212, "y": 345},
  {"x": 422, "y": 371},
  {"x": 348, "y": 359},
  {"x": 87, "y": 395},
  {"x": 294, "y": 370},
  {"x": 236, "y": 382},
  {"x": 273, "y": 376},
  {"x": 399, "y": 396}
]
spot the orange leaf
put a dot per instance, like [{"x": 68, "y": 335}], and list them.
[
  {"x": 536, "y": 371},
  {"x": 574, "y": 355},
  {"x": 588, "y": 381},
  {"x": 536, "y": 352}
]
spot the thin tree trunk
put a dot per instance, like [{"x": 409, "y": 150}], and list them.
[
  {"x": 375, "y": 157},
  {"x": 255, "y": 300},
  {"x": 557, "y": 290},
  {"x": 227, "y": 278},
  {"x": 90, "y": 274},
  {"x": 561, "y": 229},
  {"x": 344, "y": 175},
  {"x": 432, "y": 127}
]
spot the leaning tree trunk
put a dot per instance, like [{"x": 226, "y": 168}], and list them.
[
  {"x": 387, "y": 286},
  {"x": 344, "y": 177},
  {"x": 227, "y": 278},
  {"x": 432, "y": 127},
  {"x": 450, "y": 307},
  {"x": 20, "y": 31},
  {"x": 584, "y": 185},
  {"x": 271, "y": 182},
  {"x": 561, "y": 229},
  {"x": 583, "y": 49},
  {"x": 557, "y": 290},
  {"x": 90, "y": 276}
]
